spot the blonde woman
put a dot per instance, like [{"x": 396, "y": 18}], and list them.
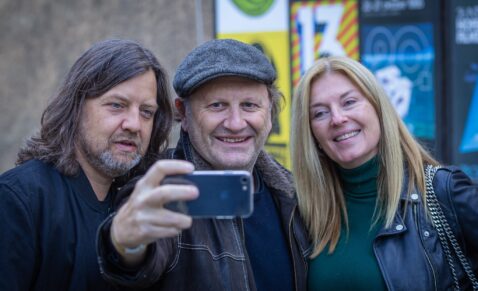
[{"x": 360, "y": 179}]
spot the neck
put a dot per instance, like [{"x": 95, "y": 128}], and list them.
[
  {"x": 361, "y": 180},
  {"x": 98, "y": 181},
  {"x": 100, "y": 184}
]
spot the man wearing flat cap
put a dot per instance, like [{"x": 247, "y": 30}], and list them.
[{"x": 227, "y": 101}]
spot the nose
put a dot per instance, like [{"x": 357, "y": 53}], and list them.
[
  {"x": 338, "y": 117},
  {"x": 132, "y": 121},
  {"x": 235, "y": 121}
]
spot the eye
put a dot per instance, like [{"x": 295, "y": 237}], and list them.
[
  {"x": 115, "y": 105},
  {"x": 216, "y": 105},
  {"x": 319, "y": 114},
  {"x": 249, "y": 105},
  {"x": 350, "y": 101},
  {"x": 148, "y": 114}
]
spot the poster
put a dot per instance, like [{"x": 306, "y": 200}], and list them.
[
  {"x": 402, "y": 57},
  {"x": 320, "y": 28},
  {"x": 265, "y": 25},
  {"x": 462, "y": 65},
  {"x": 399, "y": 44}
]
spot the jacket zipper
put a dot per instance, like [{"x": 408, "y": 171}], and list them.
[
  {"x": 290, "y": 248},
  {"x": 415, "y": 214},
  {"x": 380, "y": 264},
  {"x": 242, "y": 236}
]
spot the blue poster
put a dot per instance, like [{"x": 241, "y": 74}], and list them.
[
  {"x": 402, "y": 58},
  {"x": 469, "y": 142}
]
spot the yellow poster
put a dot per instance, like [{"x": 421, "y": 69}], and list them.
[
  {"x": 267, "y": 31},
  {"x": 276, "y": 46}
]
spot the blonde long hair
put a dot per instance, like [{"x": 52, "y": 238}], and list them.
[{"x": 320, "y": 195}]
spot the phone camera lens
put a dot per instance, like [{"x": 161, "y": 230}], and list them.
[{"x": 244, "y": 180}]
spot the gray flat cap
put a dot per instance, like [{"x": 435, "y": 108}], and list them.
[{"x": 218, "y": 58}]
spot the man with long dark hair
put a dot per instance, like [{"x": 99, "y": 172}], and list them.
[{"x": 110, "y": 118}]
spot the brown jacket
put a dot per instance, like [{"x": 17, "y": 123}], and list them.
[{"x": 211, "y": 255}]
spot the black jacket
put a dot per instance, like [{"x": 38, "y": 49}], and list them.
[
  {"x": 48, "y": 229},
  {"x": 409, "y": 253},
  {"x": 211, "y": 255}
]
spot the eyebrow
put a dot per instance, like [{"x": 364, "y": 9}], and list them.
[
  {"x": 343, "y": 95},
  {"x": 151, "y": 106},
  {"x": 127, "y": 99},
  {"x": 117, "y": 96}
]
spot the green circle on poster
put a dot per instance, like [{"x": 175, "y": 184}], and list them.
[{"x": 253, "y": 7}]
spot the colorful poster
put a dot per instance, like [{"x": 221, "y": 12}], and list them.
[
  {"x": 263, "y": 24},
  {"x": 462, "y": 62},
  {"x": 321, "y": 28},
  {"x": 402, "y": 58},
  {"x": 400, "y": 44},
  {"x": 469, "y": 141}
]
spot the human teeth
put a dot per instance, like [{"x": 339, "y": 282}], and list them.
[
  {"x": 232, "y": 140},
  {"x": 347, "y": 135}
]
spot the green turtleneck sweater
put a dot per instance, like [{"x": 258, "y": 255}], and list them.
[{"x": 352, "y": 266}]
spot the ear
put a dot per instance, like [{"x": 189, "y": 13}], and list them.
[{"x": 181, "y": 110}]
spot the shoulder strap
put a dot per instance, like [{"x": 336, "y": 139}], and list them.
[{"x": 445, "y": 234}]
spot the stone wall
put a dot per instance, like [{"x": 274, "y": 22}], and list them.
[{"x": 41, "y": 39}]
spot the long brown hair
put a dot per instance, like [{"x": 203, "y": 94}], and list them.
[
  {"x": 103, "y": 66},
  {"x": 319, "y": 191}
]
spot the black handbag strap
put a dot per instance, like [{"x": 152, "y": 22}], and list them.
[{"x": 445, "y": 234}]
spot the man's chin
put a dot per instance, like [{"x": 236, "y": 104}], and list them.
[
  {"x": 118, "y": 169},
  {"x": 119, "y": 165},
  {"x": 235, "y": 164},
  {"x": 125, "y": 155},
  {"x": 127, "y": 165}
]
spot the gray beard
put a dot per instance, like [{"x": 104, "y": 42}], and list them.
[
  {"x": 115, "y": 168},
  {"x": 106, "y": 163}
]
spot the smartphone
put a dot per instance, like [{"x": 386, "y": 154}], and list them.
[{"x": 222, "y": 194}]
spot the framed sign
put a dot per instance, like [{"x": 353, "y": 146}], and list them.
[
  {"x": 399, "y": 47},
  {"x": 462, "y": 101},
  {"x": 321, "y": 28},
  {"x": 263, "y": 24}
]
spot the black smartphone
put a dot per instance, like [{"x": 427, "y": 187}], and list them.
[{"x": 222, "y": 194}]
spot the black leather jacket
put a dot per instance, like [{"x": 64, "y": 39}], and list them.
[
  {"x": 211, "y": 255},
  {"x": 409, "y": 253}
]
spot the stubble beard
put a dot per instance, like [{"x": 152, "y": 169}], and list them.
[
  {"x": 103, "y": 159},
  {"x": 114, "y": 167}
]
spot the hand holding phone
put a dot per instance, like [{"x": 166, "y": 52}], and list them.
[{"x": 142, "y": 218}]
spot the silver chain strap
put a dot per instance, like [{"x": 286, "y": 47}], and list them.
[{"x": 444, "y": 231}]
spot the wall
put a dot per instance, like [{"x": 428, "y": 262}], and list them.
[{"x": 41, "y": 39}]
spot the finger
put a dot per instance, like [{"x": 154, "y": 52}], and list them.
[
  {"x": 157, "y": 224},
  {"x": 162, "y": 168},
  {"x": 164, "y": 194},
  {"x": 162, "y": 232},
  {"x": 148, "y": 226},
  {"x": 168, "y": 218}
]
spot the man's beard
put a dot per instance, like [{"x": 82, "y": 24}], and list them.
[
  {"x": 102, "y": 158},
  {"x": 113, "y": 167}
]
